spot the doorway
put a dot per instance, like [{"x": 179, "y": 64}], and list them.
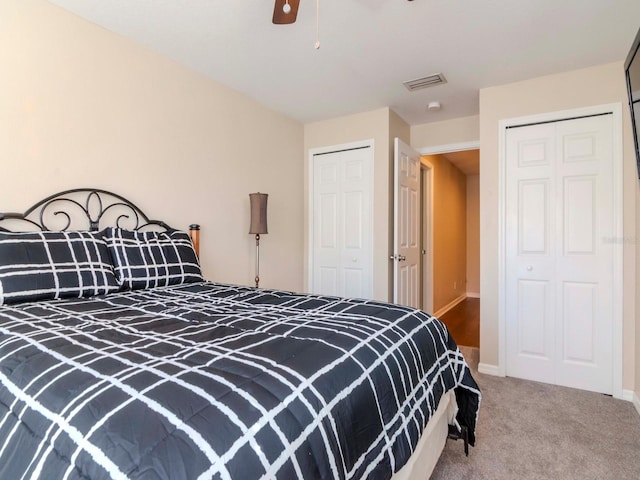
[
  {"x": 450, "y": 221},
  {"x": 451, "y": 231}
]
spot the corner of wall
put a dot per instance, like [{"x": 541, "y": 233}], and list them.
[
  {"x": 636, "y": 402},
  {"x": 489, "y": 369}
]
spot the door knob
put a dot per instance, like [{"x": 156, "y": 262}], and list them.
[
  {"x": 529, "y": 268},
  {"x": 402, "y": 258}
]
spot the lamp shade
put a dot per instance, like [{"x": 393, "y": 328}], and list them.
[{"x": 258, "y": 213}]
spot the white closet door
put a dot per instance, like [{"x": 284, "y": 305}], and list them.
[
  {"x": 531, "y": 252},
  {"x": 342, "y": 243},
  {"x": 584, "y": 334},
  {"x": 559, "y": 275}
]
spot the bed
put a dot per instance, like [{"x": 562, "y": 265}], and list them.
[{"x": 118, "y": 360}]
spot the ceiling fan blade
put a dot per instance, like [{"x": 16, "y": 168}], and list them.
[{"x": 281, "y": 18}]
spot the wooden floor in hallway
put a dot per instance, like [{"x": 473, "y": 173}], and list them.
[{"x": 463, "y": 321}]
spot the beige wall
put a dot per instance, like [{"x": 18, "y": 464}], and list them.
[
  {"x": 598, "y": 85},
  {"x": 449, "y": 231},
  {"x": 397, "y": 128},
  {"x": 473, "y": 234},
  {"x": 457, "y": 130},
  {"x": 379, "y": 126},
  {"x": 81, "y": 106},
  {"x": 637, "y": 287}
]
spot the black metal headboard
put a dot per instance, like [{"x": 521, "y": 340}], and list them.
[
  {"x": 82, "y": 209},
  {"x": 86, "y": 209}
]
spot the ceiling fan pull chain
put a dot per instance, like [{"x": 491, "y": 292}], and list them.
[{"x": 317, "y": 44}]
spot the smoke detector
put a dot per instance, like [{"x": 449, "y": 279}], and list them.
[{"x": 434, "y": 106}]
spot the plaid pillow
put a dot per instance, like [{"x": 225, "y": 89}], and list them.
[
  {"x": 49, "y": 265},
  {"x": 152, "y": 259}
]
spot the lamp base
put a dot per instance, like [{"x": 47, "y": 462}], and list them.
[{"x": 257, "y": 279}]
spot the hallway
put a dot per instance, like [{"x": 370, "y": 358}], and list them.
[{"x": 463, "y": 321}]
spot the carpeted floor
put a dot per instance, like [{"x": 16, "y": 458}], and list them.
[{"x": 529, "y": 430}]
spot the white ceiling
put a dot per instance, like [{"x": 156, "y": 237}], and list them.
[{"x": 369, "y": 47}]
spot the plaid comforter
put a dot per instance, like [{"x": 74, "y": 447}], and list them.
[{"x": 206, "y": 380}]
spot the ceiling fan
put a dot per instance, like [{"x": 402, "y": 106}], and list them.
[{"x": 285, "y": 11}]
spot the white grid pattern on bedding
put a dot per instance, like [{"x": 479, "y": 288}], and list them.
[
  {"x": 152, "y": 259},
  {"x": 48, "y": 265},
  {"x": 161, "y": 333}
]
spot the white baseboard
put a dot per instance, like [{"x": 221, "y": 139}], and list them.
[
  {"x": 489, "y": 369},
  {"x": 473, "y": 294},
  {"x": 636, "y": 402},
  {"x": 450, "y": 305},
  {"x": 627, "y": 395}
]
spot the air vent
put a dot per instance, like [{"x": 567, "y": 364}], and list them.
[{"x": 424, "y": 82}]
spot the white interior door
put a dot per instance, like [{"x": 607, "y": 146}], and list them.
[
  {"x": 559, "y": 275},
  {"x": 342, "y": 225},
  {"x": 406, "y": 225}
]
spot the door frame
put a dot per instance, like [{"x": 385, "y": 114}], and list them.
[
  {"x": 437, "y": 150},
  {"x": 617, "y": 156},
  {"x": 426, "y": 221},
  {"x": 310, "y": 232}
]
